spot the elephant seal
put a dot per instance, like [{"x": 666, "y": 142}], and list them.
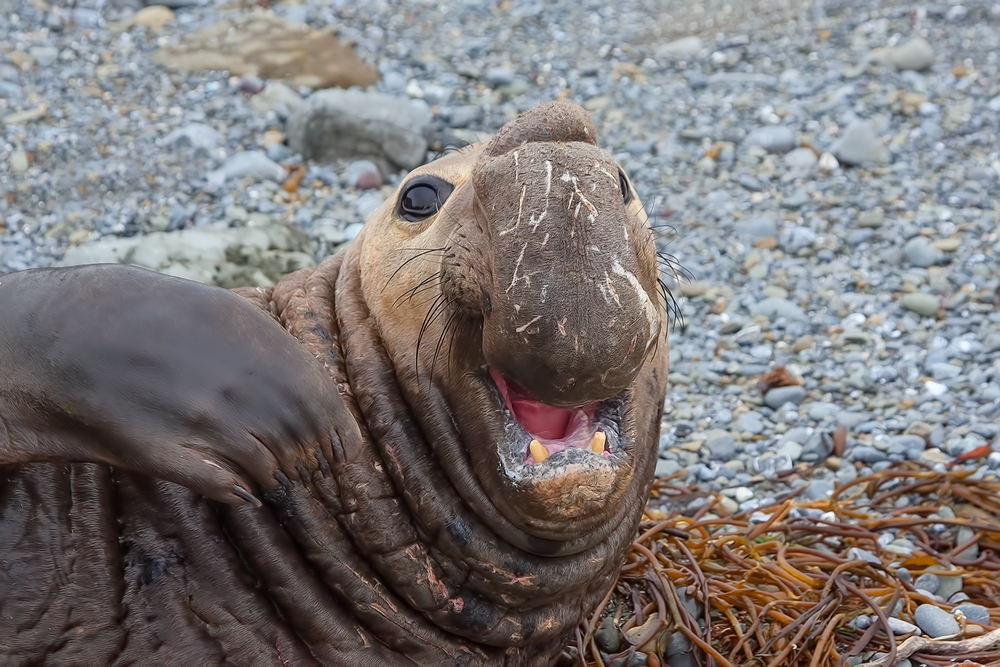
[{"x": 433, "y": 448}]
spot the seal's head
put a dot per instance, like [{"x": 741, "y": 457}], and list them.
[{"x": 526, "y": 269}]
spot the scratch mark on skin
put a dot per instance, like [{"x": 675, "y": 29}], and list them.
[
  {"x": 520, "y": 209},
  {"x": 561, "y": 325},
  {"x": 517, "y": 265},
  {"x": 611, "y": 289},
  {"x": 545, "y": 240},
  {"x": 570, "y": 178},
  {"x": 548, "y": 189},
  {"x": 599, "y": 167},
  {"x": 647, "y": 304},
  {"x": 524, "y": 326},
  {"x": 517, "y": 168}
]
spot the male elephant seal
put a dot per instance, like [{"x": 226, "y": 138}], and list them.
[{"x": 433, "y": 448}]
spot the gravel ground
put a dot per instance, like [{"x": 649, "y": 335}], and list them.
[{"x": 826, "y": 175}]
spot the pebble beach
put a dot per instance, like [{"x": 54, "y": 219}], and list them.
[{"x": 824, "y": 178}]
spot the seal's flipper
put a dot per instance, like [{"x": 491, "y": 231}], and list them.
[{"x": 157, "y": 375}]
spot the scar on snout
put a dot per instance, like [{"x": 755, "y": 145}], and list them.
[
  {"x": 523, "y": 327},
  {"x": 611, "y": 288},
  {"x": 561, "y": 325},
  {"x": 520, "y": 210},
  {"x": 517, "y": 265}
]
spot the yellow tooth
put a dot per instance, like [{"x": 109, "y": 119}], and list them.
[
  {"x": 538, "y": 451},
  {"x": 597, "y": 442}
]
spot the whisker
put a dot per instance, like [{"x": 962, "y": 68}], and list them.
[{"x": 421, "y": 253}]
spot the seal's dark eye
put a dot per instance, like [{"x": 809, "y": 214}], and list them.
[
  {"x": 623, "y": 184},
  {"x": 422, "y": 197}
]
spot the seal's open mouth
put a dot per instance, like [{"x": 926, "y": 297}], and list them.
[{"x": 537, "y": 432}]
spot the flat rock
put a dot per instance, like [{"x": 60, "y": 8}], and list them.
[
  {"x": 935, "y": 622},
  {"x": 757, "y": 228},
  {"x": 248, "y": 163},
  {"x": 263, "y": 44},
  {"x": 900, "y": 627},
  {"x": 390, "y": 131},
  {"x": 194, "y": 135},
  {"x": 214, "y": 254},
  {"x": 976, "y": 613},
  {"x": 775, "y": 307},
  {"x": 154, "y": 17},
  {"x": 680, "y": 49},
  {"x": 774, "y": 139},
  {"x": 778, "y": 396},
  {"x": 921, "y": 303}
]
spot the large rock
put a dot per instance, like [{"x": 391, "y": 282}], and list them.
[
  {"x": 265, "y": 45},
  {"x": 390, "y": 131},
  {"x": 215, "y": 254}
]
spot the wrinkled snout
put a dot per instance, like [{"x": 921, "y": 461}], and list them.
[{"x": 570, "y": 315}]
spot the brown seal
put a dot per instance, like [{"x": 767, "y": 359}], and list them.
[{"x": 452, "y": 447}]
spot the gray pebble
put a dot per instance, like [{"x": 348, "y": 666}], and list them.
[
  {"x": 770, "y": 466},
  {"x": 935, "y": 622},
  {"x": 195, "y": 135},
  {"x": 776, "y": 307},
  {"x": 801, "y": 158},
  {"x": 722, "y": 447},
  {"x": 499, "y": 76},
  {"x": 666, "y": 467},
  {"x": 778, "y": 396},
  {"x": 921, "y": 303},
  {"x": 249, "y": 163},
  {"x": 279, "y": 98},
  {"x": 914, "y": 54},
  {"x": 680, "y": 49},
  {"x": 336, "y": 123},
  {"x": 775, "y": 139},
  {"x": 920, "y": 253},
  {"x": 751, "y": 422},
  {"x": 949, "y": 585},
  {"x": 900, "y": 627},
  {"x": 44, "y": 55},
  {"x": 757, "y": 228},
  {"x": 928, "y": 582},
  {"x": 860, "y": 145},
  {"x": 819, "y": 489},
  {"x": 607, "y": 636},
  {"x": 976, "y": 613}
]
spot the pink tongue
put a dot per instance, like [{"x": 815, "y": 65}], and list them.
[{"x": 540, "y": 420}]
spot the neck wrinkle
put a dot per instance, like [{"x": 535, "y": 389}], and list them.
[{"x": 445, "y": 572}]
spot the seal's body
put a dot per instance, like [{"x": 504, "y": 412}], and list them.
[{"x": 433, "y": 448}]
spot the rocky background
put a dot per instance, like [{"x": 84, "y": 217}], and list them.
[{"x": 825, "y": 177}]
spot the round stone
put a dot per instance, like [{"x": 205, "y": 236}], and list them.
[{"x": 935, "y": 622}]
